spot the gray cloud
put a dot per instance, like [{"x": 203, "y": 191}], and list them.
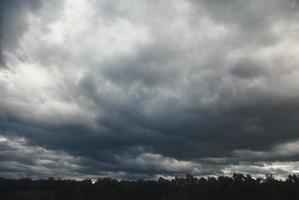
[{"x": 150, "y": 88}]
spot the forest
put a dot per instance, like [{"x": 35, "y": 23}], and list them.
[{"x": 238, "y": 186}]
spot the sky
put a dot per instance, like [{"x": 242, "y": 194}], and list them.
[{"x": 140, "y": 89}]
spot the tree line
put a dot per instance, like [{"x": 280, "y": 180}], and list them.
[{"x": 238, "y": 186}]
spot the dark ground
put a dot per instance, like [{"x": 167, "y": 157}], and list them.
[{"x": 238, "y": 186}]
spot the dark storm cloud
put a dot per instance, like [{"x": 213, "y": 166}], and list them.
[
  {"x": 248, "y": 69},
  {"x": 163, "y": 88}
]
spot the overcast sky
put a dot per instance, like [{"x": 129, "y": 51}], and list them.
[{"x": 140, "y": 89}]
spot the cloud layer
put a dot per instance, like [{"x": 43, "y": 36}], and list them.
[{"x": 142, "y": 88}]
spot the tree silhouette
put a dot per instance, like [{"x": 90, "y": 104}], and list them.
[{"x": 239, "y": 186}]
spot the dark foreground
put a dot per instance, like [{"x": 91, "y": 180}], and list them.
[{"x": 239, "y": 187}]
